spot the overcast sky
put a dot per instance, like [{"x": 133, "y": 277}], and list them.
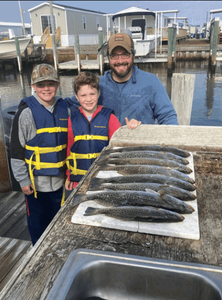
[{"x": 197, "y": 12}]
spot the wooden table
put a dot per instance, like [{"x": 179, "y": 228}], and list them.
[{"x": 37, "y": 273}]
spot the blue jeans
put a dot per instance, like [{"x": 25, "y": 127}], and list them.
[{"x": 41, "y": 210}]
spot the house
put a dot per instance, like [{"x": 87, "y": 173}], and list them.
[{"x": 68, "y": 21}]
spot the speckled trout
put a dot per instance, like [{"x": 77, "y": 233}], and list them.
[
  {"x": 141, "y": 214},
  {"x": 146, "y": 161},
  {"x": 152, "y": 178},
  {"x": 146, "y": 154},
  {"x": 174, "y": 150},
  {"x": 135, "y": 198},
  {"x": 146, "y": 169},
  {"x": 143, "y": 186}
]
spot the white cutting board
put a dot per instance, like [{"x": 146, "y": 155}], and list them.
[{"x": 188, "y": 228}]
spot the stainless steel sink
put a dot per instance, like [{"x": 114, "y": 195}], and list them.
[{"x": 88, "y": 274}]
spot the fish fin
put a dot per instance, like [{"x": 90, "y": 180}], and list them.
[
  {"x": 123, "y": 173},
  {"x": 162, "y": 193},
  {"x": 78, "y": 199},
  {"x": 90, "y": 211},
  {"x": 149, "y": 190}
]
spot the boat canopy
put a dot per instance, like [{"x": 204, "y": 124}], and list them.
[{"x": 132, "y": 11}]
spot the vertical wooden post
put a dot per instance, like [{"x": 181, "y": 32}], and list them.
[
  {"x": 55, "y": 56},
  {"x": 182, "y": 96},
  {"x": 214, "y": 30},
  {"x": 18, "y": 54},
  {"x": 100, "y": 54},
  {"x": 171, "y": 44},
  {"x": 77, "y": 52},
  {"x": 5, "y": 182}
]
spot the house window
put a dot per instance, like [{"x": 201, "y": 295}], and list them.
[
  {"x": 84, "y": 22},
  {"x": 46, "y": 22},
  {"x": 97, "y": 22}
]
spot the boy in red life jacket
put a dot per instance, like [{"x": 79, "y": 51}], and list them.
[{"x": 89, "y": 128}]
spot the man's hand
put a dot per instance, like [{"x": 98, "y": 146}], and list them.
[{"x": 132, "y": 124}]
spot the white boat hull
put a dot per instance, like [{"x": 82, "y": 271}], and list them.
[
  {"x": 144, "y": 47},
  {"x": 8, "y": 48}
]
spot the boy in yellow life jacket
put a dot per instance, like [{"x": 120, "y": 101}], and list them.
[
  {"x": 38, "y": 149},
  {"x": 89, "y": 128}
]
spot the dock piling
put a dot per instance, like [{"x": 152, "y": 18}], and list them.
[
  {"x": 19, "y": 60},
  {"x": 172, "y": 31},
  {"x": 100, "y": 54},
  {"x": 55, "y": 55},
  {"x": 77, "y": 53},
  {"x": 182, "y": 91},
  {"x": 214, "y": 30},
  {"x": 5, "y": 182}
]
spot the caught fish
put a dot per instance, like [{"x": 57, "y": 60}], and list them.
[
  {"x": 141, "y": 214},
  {"x": 152, "y": 178},
  {"x": 135, "y": 198},
  {"x": 143, "y": 186},
  {"x": 148, "y": 154},
  {"x": 146, "y": 161},
  {"x": 174, "y": 150},
  {"x": 146, "y": 169}
]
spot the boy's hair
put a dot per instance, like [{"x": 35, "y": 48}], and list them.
[{"x": 86, "y": 78}]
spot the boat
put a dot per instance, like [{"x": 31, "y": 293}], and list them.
[
  {"x": 141, "y": 23},
  {"x": 8, "y": 46}
]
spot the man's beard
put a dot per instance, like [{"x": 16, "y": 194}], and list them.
[{"x": 122, "y": 74}]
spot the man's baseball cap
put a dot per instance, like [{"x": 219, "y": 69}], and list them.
[
  {"x": 43, "y": 72},
  {"x": 122, "y": 40}
]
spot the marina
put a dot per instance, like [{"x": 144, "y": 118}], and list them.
[{"x": 84, "y": 257}]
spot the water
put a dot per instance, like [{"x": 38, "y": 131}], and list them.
[{"x": 207, "y": 101}]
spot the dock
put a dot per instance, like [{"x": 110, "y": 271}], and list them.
[
  {"x": 192, "y": 49},
  {"x": 38, "y": 271}
]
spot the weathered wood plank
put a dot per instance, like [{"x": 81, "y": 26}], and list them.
[{"x": 11, "y": 251}]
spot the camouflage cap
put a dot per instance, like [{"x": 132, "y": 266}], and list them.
[{"x": 44, "y": 72}]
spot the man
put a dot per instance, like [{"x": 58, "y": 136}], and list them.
[{"x": 130, "y": 92}]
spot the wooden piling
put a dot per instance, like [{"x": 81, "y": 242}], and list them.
[
  {"x": 100, "y": 54},
  {"x": 55, "y": 55},
  {"x": 214, "y": 30},
  {"x": 182, "y": 91},
  {"x": 172, "y": 31},
  {"x": 5, "y": 182},
  {"x": 77, "y": 52},
  {"x": 19, "y": 60}
]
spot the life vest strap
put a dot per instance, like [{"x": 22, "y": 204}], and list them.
[
  {"x": 87, "y": 137},
  {"x": 52, "y": 130}
]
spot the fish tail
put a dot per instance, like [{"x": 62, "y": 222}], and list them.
[
  {"x": 103, "y": 160},
  {"x": 91, "y": 211},
  {"x": 78, "y": 199},
  {"x": 104, "y": 167}
]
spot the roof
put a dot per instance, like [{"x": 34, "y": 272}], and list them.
[
  {"x": 27, "y": 25},
  {"x": 61, "y": 6},
  {"x": 133, "y": 10}
]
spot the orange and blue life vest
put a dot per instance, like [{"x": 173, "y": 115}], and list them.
[
  {"x": 90, "y": 138},
  {"x": 46, "y": 152}
]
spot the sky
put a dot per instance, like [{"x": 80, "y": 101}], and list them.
[{"x": 197, "y": 12}]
